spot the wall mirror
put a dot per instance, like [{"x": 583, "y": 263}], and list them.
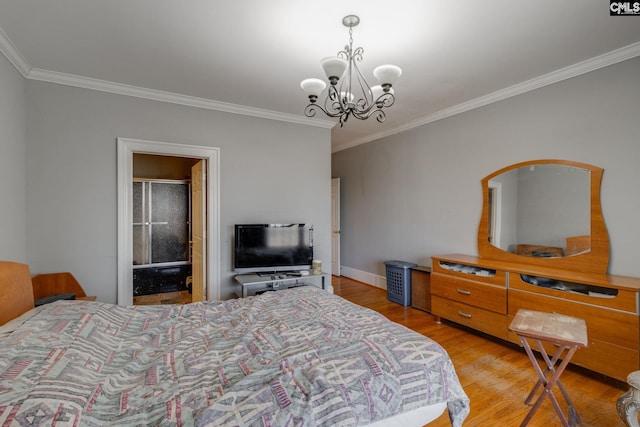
[{"x": 545, "y": 212}]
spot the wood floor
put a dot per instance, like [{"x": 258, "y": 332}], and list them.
[
  {"x": 178, "y": 297},
  {"x": 497, "y": 376}
]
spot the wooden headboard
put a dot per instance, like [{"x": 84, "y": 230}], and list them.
[{"x": 16, "y": 291}]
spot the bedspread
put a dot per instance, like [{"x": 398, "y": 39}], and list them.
[{"x": 293, "y": 357}]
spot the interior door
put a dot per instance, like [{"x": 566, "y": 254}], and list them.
[
  {"x": 198, "y": 231},
  {"x": 335, "y": 226}
]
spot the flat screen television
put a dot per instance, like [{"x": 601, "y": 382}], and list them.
[{"x": 272, "y": 247}]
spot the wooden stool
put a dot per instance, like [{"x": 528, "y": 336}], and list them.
[
  {"x": 569, "y": 334},
  {"x": 629, "y": 403}
]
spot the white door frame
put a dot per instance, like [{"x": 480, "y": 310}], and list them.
[{"x": 126, "y": 149}]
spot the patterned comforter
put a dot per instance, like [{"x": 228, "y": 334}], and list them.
[{"x": 297, "y": 357}]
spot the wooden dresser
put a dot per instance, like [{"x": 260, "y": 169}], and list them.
[
  {"x": 485, "y": 294},
  {"x": 543, "y": 246}
]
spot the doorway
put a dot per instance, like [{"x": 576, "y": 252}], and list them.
[
  {"x": 162, "y": 230},
  {"x": 205, "y": 206}
]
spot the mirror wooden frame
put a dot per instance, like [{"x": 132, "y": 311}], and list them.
[{"x": 596, "y": 260}]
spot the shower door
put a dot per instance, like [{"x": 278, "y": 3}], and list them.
[{"x": 161, "y": 232}]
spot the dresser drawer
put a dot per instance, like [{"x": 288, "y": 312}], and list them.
[
  {"x": 492, "y": 298},
  {"x": 609, "y": 359},
  {"x": 470, "y": 272},
  {"x": 624, "y": 300},
  {"x": 477, "y": 318}
]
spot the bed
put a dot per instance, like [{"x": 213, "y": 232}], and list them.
[{"x": 296, "y": 357}]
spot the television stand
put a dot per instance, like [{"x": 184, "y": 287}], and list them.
[{"x": 252, "y": 284}]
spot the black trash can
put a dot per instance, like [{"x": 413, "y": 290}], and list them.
[{"x": 399, "y": 281}]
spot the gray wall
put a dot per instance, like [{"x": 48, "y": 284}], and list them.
[
  {"x": 270, "y": 171},
  {"x": 417, "y": 194},
  {"x": 12, "y": 164}
]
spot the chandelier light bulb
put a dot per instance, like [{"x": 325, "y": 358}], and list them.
[
  {"x": 387, "y": 74},
  {"x": 333, "y": 68},
  {"x": 313, "y": 88}
]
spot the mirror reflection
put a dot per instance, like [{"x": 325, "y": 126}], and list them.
[{"x": 540, "y": 210}]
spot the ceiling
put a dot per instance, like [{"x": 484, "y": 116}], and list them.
[{"x": 249, "y": 56}]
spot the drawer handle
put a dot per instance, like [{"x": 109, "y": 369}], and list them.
[
  {"x": 463, "y": 292},
  {"x": 463, "y": 314}
]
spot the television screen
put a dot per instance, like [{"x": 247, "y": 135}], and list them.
[{"x": 272, "y": 247}]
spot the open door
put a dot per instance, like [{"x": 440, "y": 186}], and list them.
[
  {"x": 198, "y": 231},
  {"x": 335, "y": 226}
]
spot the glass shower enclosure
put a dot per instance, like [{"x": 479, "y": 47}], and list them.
[{"x": 161, "y": 235}]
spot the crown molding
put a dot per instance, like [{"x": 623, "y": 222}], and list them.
[
  {"x": 609, "y": 58},
  {"x": 14, "y": 56},
  {"x": 174, "y": 98},
  {"x": 20, "y": 63}
]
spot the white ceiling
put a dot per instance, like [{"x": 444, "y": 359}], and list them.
[{"x": 249, "y": 56}]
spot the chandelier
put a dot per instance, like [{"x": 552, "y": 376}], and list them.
[{"x": 348, "y": 93}]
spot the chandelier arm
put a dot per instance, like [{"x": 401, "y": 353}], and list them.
[
  {"x": 344, "y": 89},
  {"x": 333, "y": 102},
  {"x": 356, "y": 75},
  {"x": 385, "y": 100},
  {"x": 343, "y": 118},
  {"x": 310, "y": 111},
  {"x": 332, "y": 93},
  {"x": 378, "y": 113},
  {"x": 357, "y": 54},
  {"x": 367, "y": 102}
]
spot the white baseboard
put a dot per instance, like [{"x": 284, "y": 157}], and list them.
[{"x": 365, "y": 277}]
